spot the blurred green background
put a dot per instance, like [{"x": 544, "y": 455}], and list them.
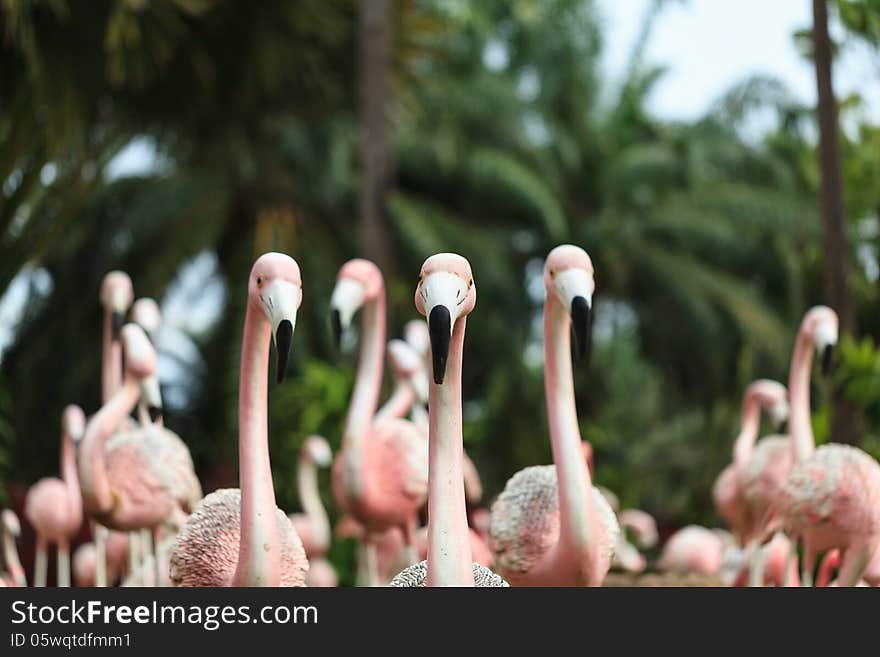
[{"x": 328, "y": 129}]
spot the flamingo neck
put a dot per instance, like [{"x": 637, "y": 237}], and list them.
[
  {"x": 95, "y": 485},
  {"x": 399, "y": 404},
  {"x": 111, "y": 360},
  {"x": 365, "y": 396},
  {"x": 748, "y": 434},
  {"x": 450, "y": 562},
  {"x": 577, "y": 516},
  {"x": 259, "y": 550},
  {"x": 310, "y": 498},
  {"x": 11, "y": 560},
  {"x": 801, "y": 427},
  {"x": 71, "y": 479}
]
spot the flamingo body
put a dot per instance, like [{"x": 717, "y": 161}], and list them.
[
  {"x": 206, "y": 553},
  {"x": 417, "y": 575}
]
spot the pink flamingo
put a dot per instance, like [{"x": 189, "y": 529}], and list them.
[
  {"x": 694, "y": 549},
  {"x": 644, "y": 529},
  {"x": 775, "y": 563},
  {"x": 239, "y": 537},
  {"x": 116, "y": 296},
  {"x": 312, "y": 526},
  {"x": 126, "y": 483},
  {"x": 550, "y": 526},
  {"x": 445, "y": 295},
  {"x": 831, "y": 498},
  {"x": 85, "y": 560},
  {"x": 54, "y": 506},
  {"x": 380, "y": 473},
  {"x": 761, "y": 469},
  {"x": 727, "y": 492},
  {"x": 10, "y": 530}
]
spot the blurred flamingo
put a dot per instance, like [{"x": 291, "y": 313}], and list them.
[
  {"x": 445, "y": 295},
  {"x": 239, "y": 537},
  {"x": 831, "y": 498},
  {"x": 312, "y": 525},
  {"x": 10, "y": 530},
  {"x": 54, "y": 506},
  {"x": 695, "y": 549},
  {"x": 550, "y": 526},
  {"x": 380, "y": 473}
]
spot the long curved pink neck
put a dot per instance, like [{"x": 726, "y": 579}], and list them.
[
  {"x": 399, "y": 404},
  {"x": 310, "y": 498},
  {"x": 748, "y": 433},
  {"x": 365, "y": 396},
  {"x": 368, "y": 382},
  {"x": 111, "y": 360},
  {"x": 801, "y": 428},
  {"x": 450, "y": 562},
  {"x": 94, "y": 483},
  {"x": 578, "y": 521},
  {"x": 259, "y": 548},
  {"x": 71, "y": 479}
]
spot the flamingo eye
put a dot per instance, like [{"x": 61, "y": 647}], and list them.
[
  {"x": 260, "y": 280},
  {"x": 552, "y": 273},
  {"x": 470, "y": 282}
]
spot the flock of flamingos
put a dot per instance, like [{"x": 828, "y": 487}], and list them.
[{"x": 134, "y": 480}]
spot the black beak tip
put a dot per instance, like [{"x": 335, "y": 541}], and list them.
[
  {"x": 782, "y": 427},
  {"x": 155, "y": 413},
  {"x": 826, "y": 359},
  {"x": 283, "y": 338},
  {"x": 117, "y": 321},
  {"x": 580, "y": 327},
  {"x": 336, "y": 323},
  {"x": 440, "y": 333}
]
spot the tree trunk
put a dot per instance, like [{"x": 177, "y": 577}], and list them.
[
  {"x": 844, "y": 424},
  {"x": 375, "y": 98}
]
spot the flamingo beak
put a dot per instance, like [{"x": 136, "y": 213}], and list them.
[
  {"x": 347, "y": 298},
  {"x": 117, "y": 321},
  {"x": 151, "y": 397},
  {"x": 580, "y": 327},
  {"x": 281, "y": 300},
  {"x": 443, "y": 294},
  {"x": 574, "y": 288},
  {"x": 827, "y": 354}
]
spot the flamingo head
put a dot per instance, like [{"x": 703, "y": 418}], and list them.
[
  {"x": 358, "y": 282},
  {"x": 117, "y": 293},
  {"x": 10, "y": 522},
  {"x": 416, "y": 334},
  {"x": 73, "y": 422},
  {"x": 318, "y": 450},
  {"x": 445, "y": 293},
  {"x": 408, "y": 366},
  {"x": 773, "y": 397},
  {"x": 275, "y": 290},
  {"x": 568, "y": 275},
  {"x": 821, "y": 324},
  {"x": 145, "y": 312}
]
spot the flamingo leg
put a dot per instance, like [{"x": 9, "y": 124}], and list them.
[
  {"x": 63, "y": 563},
  {"x": 41, "y": 563},
  {"x": 756, "y": 563},
  {"x": 808, "y": 565},
  {"x": 135, "y": 558},
  {"x": 100, "y": 555},
  {"x": 409, "y": 534},
  {"x": 791, "y": 559},
  {"x": 853, "y": 565},
  {"x": 148, "y": 559},
  {"x": 371, "y": 563}
]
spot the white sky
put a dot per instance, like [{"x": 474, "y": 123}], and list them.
[{"x": 710, "y": 45}]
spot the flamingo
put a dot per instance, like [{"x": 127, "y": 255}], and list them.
[
  {"x": 10, "y": 530},
  {"x": 695, "y": 549},
  {"x": 236, "y": 536},
  {"x": 380, "y": 473},
  {"x": 445, "y": 295},
  {"x": 831, "y": 498},
  {"x": 760, "y": 469},
  {"x": 774, "y": 559},
  {"x": 54, "y": 506},
  {"x": 116, "y": 296},
  {"x": 550, "y": 526},
  {"x": 312, "y": 526},
  {"x": 126, "y": 480},
  {"x": 85, "y": 562},
  {"x": 644, "y": 530}
]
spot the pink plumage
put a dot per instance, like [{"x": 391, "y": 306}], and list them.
[
  {"x": 693, "y": 549},
  {"x": 206, "y": 551}
]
